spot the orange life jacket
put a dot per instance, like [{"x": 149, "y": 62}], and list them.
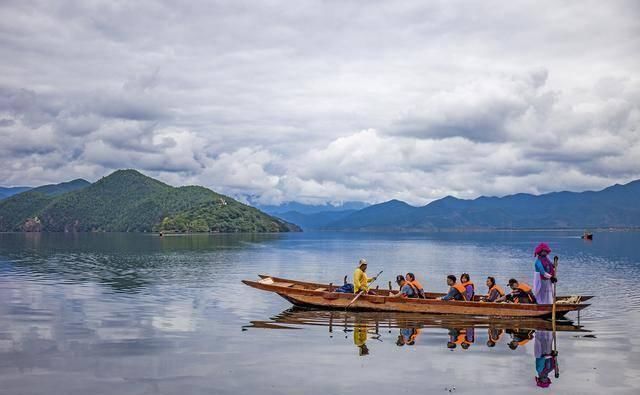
[
  {"x": 524, "y": 287},
  {"x": 523, "y": 342},
  {"x": 461, "y": 337},
  {"x": 461, "y": 289},
  {"x": 417, "y": 288},
  {"x": 416, "y": 284},
  {"x": 470, "y": 283},
  {"x": 527, "y": 291},
  {"x": 497, "y": 288},
  {"x": 414, "y": 335}
]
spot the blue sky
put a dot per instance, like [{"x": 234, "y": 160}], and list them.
[{"x": 323, "y": 101}]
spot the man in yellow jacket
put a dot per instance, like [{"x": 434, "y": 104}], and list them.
[{"x": 360, "y": 280}]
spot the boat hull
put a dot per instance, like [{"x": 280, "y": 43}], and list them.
[{"x": 307, "y": 295}]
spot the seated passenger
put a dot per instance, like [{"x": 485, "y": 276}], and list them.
[
  {"x": 468, "y": 286},
  {"x": 456, "y": 291},
  {"x": 406, "y": 290},
  {"x": 520, "y": 293},
  {"x": 520, "y": 337},
  {"x": 411, "y": 279},
  {"x": 495, "y": 291}
]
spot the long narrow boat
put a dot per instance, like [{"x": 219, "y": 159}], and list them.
[
  {"x": 309, "y": 294},
  {"x": 429, "y": 295}
]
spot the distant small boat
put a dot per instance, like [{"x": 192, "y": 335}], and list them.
[
  {"x": 307, "y": 294},
  {"x": 587, "y": 236}
]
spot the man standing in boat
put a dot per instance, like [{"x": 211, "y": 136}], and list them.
[
  {"x": 544, "y": 275},
  {"x": 360, "y": 279}
]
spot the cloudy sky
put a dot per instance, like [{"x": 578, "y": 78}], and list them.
[{"x": 323, "y": 101}]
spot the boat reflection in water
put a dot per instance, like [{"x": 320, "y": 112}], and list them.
[{"x": 460, "y": 331}]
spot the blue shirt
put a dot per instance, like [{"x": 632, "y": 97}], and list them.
[{"x": 540, "y": 268}]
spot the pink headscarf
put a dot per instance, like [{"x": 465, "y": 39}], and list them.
[{"x": 542, "y": 247}]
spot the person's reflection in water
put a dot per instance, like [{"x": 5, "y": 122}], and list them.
[
  {"x": 495, "y": 334},
  {"x": 545, "y": 357},
  {"x": 360, "y": 339},
  {"x": 407, "y": 336},
  {"x": 453, "y": 337},
  {"x": 464, "y": 337},
  {"x": 519, "y": 337},
  {"x": 469, "y": 338}
]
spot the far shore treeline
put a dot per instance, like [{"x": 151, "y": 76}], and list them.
[{"x": 128, "y": 201}]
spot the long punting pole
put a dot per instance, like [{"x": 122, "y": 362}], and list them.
[
  {"x": 553, "y": 316},
  {"x": 360, "y": 293}
]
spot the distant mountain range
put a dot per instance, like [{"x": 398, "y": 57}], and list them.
[
  {"x": 311, "y": 208},
  {"x": 616, "y": 206},
  {"x": 310, "y": 216},
  {"x": 127, "y": 201}
]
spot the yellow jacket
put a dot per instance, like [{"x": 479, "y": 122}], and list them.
[{"x": 360, "y": 281}]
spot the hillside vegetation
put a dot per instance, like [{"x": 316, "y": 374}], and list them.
[{"x": 128, "y": 201}]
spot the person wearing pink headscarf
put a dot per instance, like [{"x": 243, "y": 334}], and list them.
[{"x": 544, "y": 275}]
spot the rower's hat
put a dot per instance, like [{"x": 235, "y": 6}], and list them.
[{"x": 362, "y": 262}]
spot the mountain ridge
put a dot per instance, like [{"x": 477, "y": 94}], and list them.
[
  {"x": 613, "y": 206},
  {"x": 129, "y": 201}
]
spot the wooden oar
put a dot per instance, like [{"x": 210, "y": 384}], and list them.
[
  {"x": 360, "y": 293},
  {"x": 553, "y": 317}
]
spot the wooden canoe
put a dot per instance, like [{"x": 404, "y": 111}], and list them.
[
  {"x": 429, "y": 295},
  {"x": 308, "y": 294}
]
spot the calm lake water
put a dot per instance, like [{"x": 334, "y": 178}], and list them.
[{"x": 140, "y": 314}]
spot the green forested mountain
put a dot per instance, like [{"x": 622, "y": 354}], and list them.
[
  {"x": 16, "y": 210},
  {"x": 128, "y": 201}
]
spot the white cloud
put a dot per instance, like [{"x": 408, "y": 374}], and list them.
[{"x": 323, "y": 101}]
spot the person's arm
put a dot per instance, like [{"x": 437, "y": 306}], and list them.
[
  {"x": 450, "y": 295},
  {"x": 493, "y": 295},
  {"x": 401, "y": 293},
  {"x": 540, "y": 269}
]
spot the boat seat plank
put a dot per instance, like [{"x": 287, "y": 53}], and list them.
[
  {"x": 280, "y": 284},
  {"x": 320, "y": 289}
]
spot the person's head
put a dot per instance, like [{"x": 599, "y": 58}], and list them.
[
  {"x": 410, "y": 277},
  {"x": 362, "y": 264},
  {"x": 491, "y": 343},
  {"x": 464, "y": 278},
  {"x": 542, "y": 250},
  {"x": 451, "y": 279},
  {"x": 400, "y": 279},
  {"x": 491, "y": 281},
  {"x": 465, "y": 346},
  {"x": 451, "y": 345},
  {"x": 363, "y": 350},
  {"x": 513, "y": 284},
  {"x": 513, "y": 345},
  {"x": 400, "y": 341}
]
